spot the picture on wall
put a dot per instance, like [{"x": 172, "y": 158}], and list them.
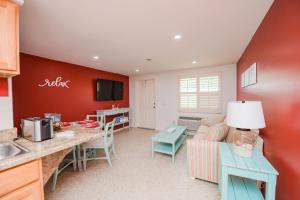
[{"x": 249, "y": 77}]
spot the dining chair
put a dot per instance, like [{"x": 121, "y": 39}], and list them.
[
  {"x": 71, "y": 157},
  {"x": 105, "y": 143},
  {"x": 99, "y": 118},
  {"x": 68, "y": 160}
]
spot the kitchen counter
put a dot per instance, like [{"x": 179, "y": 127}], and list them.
[{"x": 48, "y": 147}]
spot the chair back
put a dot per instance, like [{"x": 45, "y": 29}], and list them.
[
  {"x": 98, "y": 118},
  {"x": 109, "y": 131}
]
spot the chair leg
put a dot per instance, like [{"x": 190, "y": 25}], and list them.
[
  {"x": 107, "y": 156},
  {"x": 113, "y": 149},
  {"x": 54, "y": 180},
  {"x": 74, "y": 159},
  {"x": 84, "y": 159}
]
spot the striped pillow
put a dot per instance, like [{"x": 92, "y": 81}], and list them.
[
  {"x": 217, "y": 132},
  {"x": 202, "y": 129}
]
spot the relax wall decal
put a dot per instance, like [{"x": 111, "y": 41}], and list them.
[{"x": 56, "y": 83}]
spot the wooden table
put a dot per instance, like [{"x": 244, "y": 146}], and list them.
[
  {"x": 168, "y": 143},
  {"x": 232, "y": 167}
]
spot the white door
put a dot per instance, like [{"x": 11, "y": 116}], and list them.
[{"x": 146, "y": 104}]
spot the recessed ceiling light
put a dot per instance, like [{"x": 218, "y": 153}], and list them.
[
  {"x": 177, "y": 37},
  {"x": 95, "y": 57},
  {"x": 137, "y": 70},
  {"x": 194, "y": 62}
]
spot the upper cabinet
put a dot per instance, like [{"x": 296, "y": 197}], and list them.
[{"x": 9, "y": 38}]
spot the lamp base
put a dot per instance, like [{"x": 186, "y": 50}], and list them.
[
  {"x": 244, "y": 141},
  {"x": 242, "y": 151}
]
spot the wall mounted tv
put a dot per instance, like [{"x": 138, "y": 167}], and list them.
[{"x": 108, "y": 90}]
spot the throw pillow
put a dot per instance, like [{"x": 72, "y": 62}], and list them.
[
  {"x": 202, "y": 129},
  {"x": 199, "y": 137},
  {"x": 212, "y": 120},
  {"x": 217, "y": 132}
]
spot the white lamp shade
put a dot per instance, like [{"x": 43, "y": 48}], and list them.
[{"x": 246, "y": 115}]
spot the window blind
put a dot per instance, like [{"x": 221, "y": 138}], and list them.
[
  {"x": 209, "y": 94},
  {"x": 188, "y": 93},
  {"x": 201, "y": 93}
]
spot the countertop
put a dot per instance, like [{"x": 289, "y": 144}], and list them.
[{"x": 47, "y": 147}]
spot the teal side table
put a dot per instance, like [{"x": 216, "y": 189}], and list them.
[{"x": 237, "y": 174}]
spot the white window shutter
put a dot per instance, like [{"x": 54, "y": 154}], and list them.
[
  {"x": 188, "y": 94},
  {"x": 188, "y": 101},
  {"x": 188, "y": 85},
  {"x": 201, "y": 93},
  {"x": 209, "y": 84},
  {"x": 210, "y": 94}
]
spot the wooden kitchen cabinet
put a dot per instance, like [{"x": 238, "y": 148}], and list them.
[
  {"x": 23, "y": 182},
  {"x": 28, "y": 192},
  {"x": 9, "y": 39}
]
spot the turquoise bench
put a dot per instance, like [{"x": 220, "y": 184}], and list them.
[{"x": 243, "y": 189}]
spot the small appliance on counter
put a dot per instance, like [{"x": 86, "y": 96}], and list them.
[
  {"x": 37, "y": 129},
  {"x": 56, "y": 119}
]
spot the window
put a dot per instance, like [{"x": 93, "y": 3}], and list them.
[
  {"x": 200, "y": 93},
  {"x": 188, "y": 93}
]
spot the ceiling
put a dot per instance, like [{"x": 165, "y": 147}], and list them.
[{"x": 124, "y": 33}]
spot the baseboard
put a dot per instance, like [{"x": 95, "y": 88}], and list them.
[{"x": 121, "y": 129}]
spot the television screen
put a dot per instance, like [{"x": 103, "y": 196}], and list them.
[
  {"x": 104, "y": 90},
  {"x": 108, "y": 90},
  {"x": 117, "y": 90}
]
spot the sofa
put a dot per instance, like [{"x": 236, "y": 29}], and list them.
[{"x": 203, "y": 148}]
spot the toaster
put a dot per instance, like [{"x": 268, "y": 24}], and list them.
[
  {"x": 56, "y": 117},
  {"x": 37, "y": 129}
]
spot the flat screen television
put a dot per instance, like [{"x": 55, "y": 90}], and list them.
[
  {"x": 117, "y": 90},
  {"x": 108, "y": 90}
]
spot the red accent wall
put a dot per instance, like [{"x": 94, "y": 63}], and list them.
[
  {"x": 74, "y": 103},
  {"x": 276, "y": 49},
  {"x": 3, "y": 87}
]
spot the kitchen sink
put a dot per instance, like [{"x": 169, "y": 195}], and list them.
[{"x": 9, "y": 149}]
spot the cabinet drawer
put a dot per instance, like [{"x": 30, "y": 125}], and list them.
[
  {"x": 19, "y": 176},
  {"x": 29, "y": 192}
]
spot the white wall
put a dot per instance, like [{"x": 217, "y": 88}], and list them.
[
  {"x": 166, "y": 84},
  {"x": 6, "y": 109}
]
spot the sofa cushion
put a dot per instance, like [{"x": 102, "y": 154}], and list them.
[
  {"x": 202, "y": 129},
  {"x": 198, "y": 137},
  {"x": 217, "y": 132},
  {"x": 212, "y": 120}
]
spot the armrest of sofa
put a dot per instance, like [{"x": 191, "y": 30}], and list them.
[{"x": 203, "y": 159}]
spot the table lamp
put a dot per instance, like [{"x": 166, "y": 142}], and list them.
[{"x": 245, "y": 116}]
